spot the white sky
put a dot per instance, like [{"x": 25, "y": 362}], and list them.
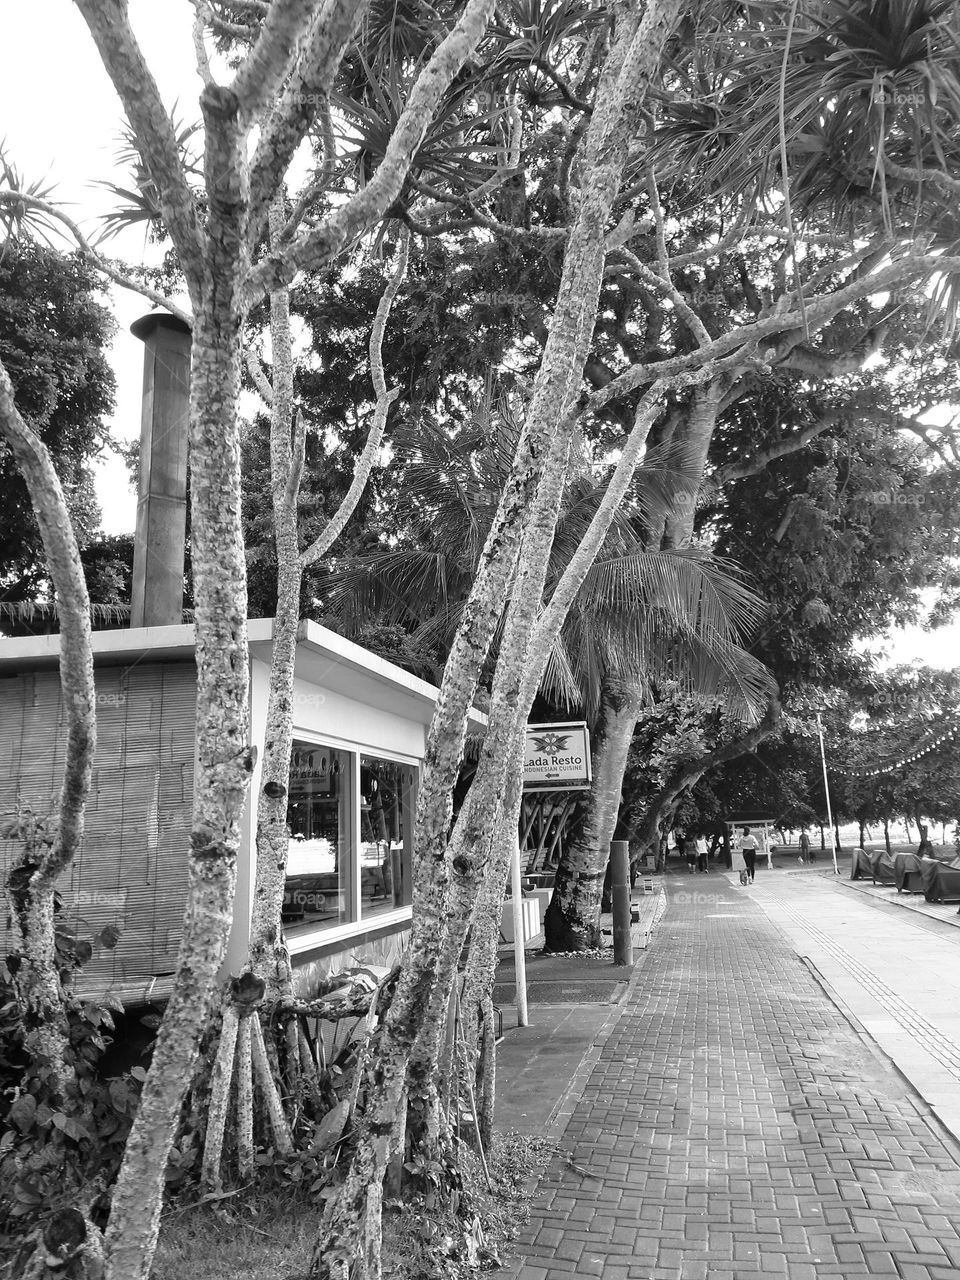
[{"x": 61, "y": 119}]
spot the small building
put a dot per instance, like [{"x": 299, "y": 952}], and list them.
[{"x": 360, "y": 726}]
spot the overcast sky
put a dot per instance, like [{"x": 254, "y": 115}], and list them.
[{"x": 61, "y": 118}]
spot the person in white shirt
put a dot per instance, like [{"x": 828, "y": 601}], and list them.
[
  {"x": 748, "y": 847},
  {"x": 703, "y": 853}
]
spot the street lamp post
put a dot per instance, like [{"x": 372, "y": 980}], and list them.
[{"x": 826, "y": 792}]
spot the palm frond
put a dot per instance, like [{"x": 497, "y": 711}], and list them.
[{"x": 18, "y": 220}]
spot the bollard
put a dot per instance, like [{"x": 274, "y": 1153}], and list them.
[{"x": 620, "y": 892}]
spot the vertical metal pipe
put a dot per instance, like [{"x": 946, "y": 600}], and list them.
[
  {"x": 826, "y": 792},
  {"x": 620, "y": 893},
  {"x": 157, "y": 596},
  {"x": 519, "y": 955}
]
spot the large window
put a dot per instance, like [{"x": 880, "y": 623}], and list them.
[
  {"x": 351, "y": 825},
  {"x": 318, "y": 884},
  {"x": 387, "y": 801}
]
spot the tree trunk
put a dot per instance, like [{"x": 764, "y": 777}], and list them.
[
  {"x": 523, "y": 656},
  {"x": 32, "y": 882},
  {"x": 863, "y": 833},
  {"x": 572, "y": 920},
  {"x": 224, "y": 763},
  {"x": 268, "y": 957},
  {"x": 441, "y": 908},
  {"x": 476, "y": 1003}
]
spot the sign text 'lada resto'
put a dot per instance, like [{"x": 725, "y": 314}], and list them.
[{"x": 556, "y": 757}]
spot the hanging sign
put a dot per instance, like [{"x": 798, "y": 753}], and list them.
[{"x": 556, "y": 757}]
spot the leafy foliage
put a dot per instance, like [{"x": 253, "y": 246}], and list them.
[{"x": 53, "y": 342}]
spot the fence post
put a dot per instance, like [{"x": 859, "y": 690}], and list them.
[{"x": 620, "y": 893}]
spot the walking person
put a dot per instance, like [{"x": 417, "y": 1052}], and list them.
[
  {"x": 703, "y": 853},
  {"x": 690, "y": 853},
  {"x": 748, "y": 847},
  {"x": 804, "y": 843}
]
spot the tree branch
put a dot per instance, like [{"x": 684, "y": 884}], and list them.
[
  {"x": 76, "y": 653},
  {"x": 266, "y": 66},
  {"x": 820, "y": 364},
  {"x": 344, "y": 226},
  {"x": 308, "y": 88},
  {"x": 818, "y": 312},
  {"x": 258, "y": 374},
  {"x": 93, "y": 256},
  {"x": 666, "y": 286},
  {"x": 203, "y": 18},
  {"x": 385, "y": 399},
  {"x": 783, "y": 448}
]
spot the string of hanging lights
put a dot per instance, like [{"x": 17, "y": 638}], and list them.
[{"x": 923, "y": 748}]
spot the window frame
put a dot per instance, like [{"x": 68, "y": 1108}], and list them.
[{"x": 309, "y": 936}]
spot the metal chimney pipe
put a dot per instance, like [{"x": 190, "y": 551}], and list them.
[{"x": 160, "y": 541}]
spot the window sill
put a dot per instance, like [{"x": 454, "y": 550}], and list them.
[{"x": 308, "y": 939}]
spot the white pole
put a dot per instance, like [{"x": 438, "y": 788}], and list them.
[
  {"x": 826, "y": 792},
  {"x": 519, "y": 955}
]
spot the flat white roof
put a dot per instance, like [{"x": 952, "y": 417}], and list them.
[{"x": 322, "y": 657}]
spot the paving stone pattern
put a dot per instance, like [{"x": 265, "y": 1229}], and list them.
[{"x": 736, "y": 1124}]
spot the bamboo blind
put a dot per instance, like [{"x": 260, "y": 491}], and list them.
[{"x": 131, "y": 871}]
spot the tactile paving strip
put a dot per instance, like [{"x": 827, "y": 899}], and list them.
[{"x": 939, "y": 1046}]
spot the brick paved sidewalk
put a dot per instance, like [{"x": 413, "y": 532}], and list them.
[{"x": 737, "y": 1124}]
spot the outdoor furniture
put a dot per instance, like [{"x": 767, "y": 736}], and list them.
[
  {"x": 907, "y": 873},
  {"x": 531, "y": 919},
  {"x": 941, "y": 879},
  {"x": 861, "y": 865},
  {"x": 882, "y": 866}
]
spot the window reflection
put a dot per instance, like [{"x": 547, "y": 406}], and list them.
[
  {"x": 387, "y": 805},
  {"x": 317, "y": 885}
]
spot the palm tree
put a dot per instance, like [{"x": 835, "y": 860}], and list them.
[{"x": 642, "y": 616}]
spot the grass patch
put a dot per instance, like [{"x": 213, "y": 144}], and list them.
[{"x": 271, "y": 1236}]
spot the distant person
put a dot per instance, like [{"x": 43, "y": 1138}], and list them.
[
  {"x": 748, "y": 847},
  {"x": 804, "y": 843},
  {"x": 703, "y": 853},
  {"x": 690, "y": 854}
]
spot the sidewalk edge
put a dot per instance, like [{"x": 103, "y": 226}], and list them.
[{"x": 947, "y": 1136}]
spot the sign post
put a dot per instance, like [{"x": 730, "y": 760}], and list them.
[
  {"x": 556, "y": 757},
  {"x": 826, "y": 792},
  {"x": 519, "y": 955},
  {"x": 620, "y": 892}
]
